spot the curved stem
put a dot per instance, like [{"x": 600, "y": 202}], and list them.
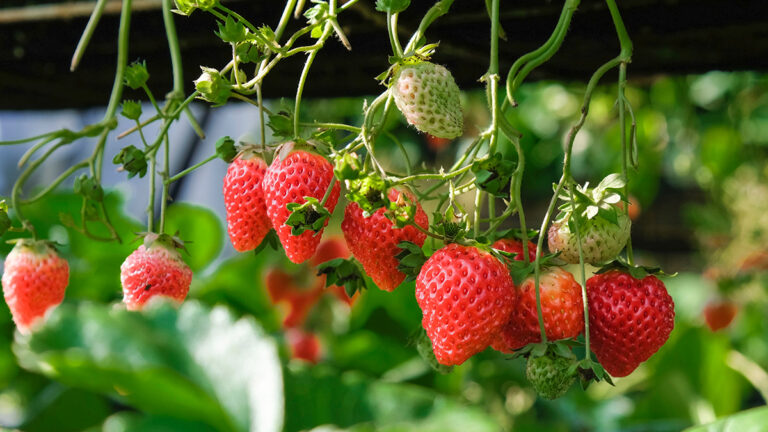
[
  {"x": 582, "y": 277},
  {"x": 304, "y": 74},
  {"x": 63, "y": 176},
  {"x": 173, "y": 47},
  {"x": 166, "y": 185},
  {"x": 93, "y": 21},
  {"x": 122, "y": 61},
  {"x": 190, "y": 169},
  {"x": 394, "y": 40},
  {"x": 624, "y": 151}
]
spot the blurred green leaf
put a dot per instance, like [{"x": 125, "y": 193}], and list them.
[
  {"x": 753, "y": 420},
  {"x": 201, "y": 231},
  {"x": 190, "y": 363}
]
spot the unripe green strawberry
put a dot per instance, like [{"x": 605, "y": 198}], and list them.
[
  {"x": 601, "y": 240},
  {"x": 247, "y": 220},
  {"x": 289, "y": 180},
  {"x": 34, "y": 280},
  {"x": 373, "y": 241},
  {"x": 428, "y": 97},
  {"x": 154, "y": 269},
  {"x": 466, "y": 295},
  {"x": 549, "y": 374},
  {"x": 629, "y": 319}
]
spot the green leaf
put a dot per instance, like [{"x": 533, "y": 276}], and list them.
[
  {"x": 392, "y": 6},
  {"x": 191, "y": 363},
  {"x": 494, "y": 174},
  {"x": 750, "y": 420},
  {"x": 131, "y": 422},
  {"x": 201, "y": 231}
]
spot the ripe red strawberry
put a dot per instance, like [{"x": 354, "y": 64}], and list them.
[
  {"x": 629, "y": 319},
  {"x": 34, "y": 280},
  {"x": 515, "y": 246},
  {"x": 247, "y": 220},
  {"x": 289, "y": 180},
  {"x": 304, "y": 345},
  {"x": 466, "y": 295},
  {"x": 719, "y": 314},
  {"x": 373, "y": 241},
  {"x": 154, "y": 269},
  {"x": 561, "y": 306}
]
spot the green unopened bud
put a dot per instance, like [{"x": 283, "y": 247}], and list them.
[
  {"x": 213, "y": 87},
  {"x": 136, "y": 75},
  {"x": 132, "y": 160},
  {"x": 131, "y": 110},
  {"x": 5, "y": 221},
  {"x": 89, "y": 188},
  {"x": 369, "y": 192}
]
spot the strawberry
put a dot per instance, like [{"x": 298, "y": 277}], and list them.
[
  {"x": 428, "y": 97},
  {"x": 290, "y": 179},
  {"x": 373, "y": 240},
  {"x": 154, "y": 269},
  {"x": 629, "y": 319},
  {"x": 304, "y": 345},
  {"x": 719, "y": 314},
  {"x": 515, "y": 246},
  {"x": 465, "y": 295},
  {"x": 604, "y": 228},
  {"x": 601, "y": 240},
  {"x": 247, "y": 220},
  {"x": 34, "y": 281},
  {"x": 561, "y": 306},
  {"x": 549, "y": 375}
]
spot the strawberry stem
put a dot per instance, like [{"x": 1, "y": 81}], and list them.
[{"x": 582, "y": 277}]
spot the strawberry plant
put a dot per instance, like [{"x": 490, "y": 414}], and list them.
[{"x": 482, "y": 277}]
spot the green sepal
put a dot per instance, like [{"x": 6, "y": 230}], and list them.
[
  {"x": 131, "y": 110},
  {"x": 637, "y": 272},
  {"x": 231, "y": 31},
  {"x": 271, "y": 240},
  {"x": 520, "y": 270},
  {"x": 452, "y": 227},
  {"x": 307, "y": 216},
  {"x": 410, "y": 260},
  {"x": 225, "y": 149},
  {"x": 136, "y": 75},
  {"x": 494, "y": 174},
  {"x": 343, "y": 272},
  {"x": 369, "y": 192},
  {"x": 281, "y": 124},
  {"x": 591, "y": 371},
  {"x": 514, "y": 233},
  {"x": 213, "y": 86},
  {"x": 427, "y": 353},
  {"x": 133, "y": 160},
  {"x": 347, "y": 167},
  {"x": 89, "y": 188}
]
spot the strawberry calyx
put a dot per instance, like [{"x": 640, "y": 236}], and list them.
[
  {"x": 343, "y": 272},
  {"x": 637, "y": 272},
  {"x": 369, "y": 192},
  {"x": 520, "y": 270},
  {"x": 513, "y": 233},
  {"x": 166, "y": 241},
  {"x": 311, "y": 215},
  {"x": 590, "y": 371},
  {"x": 410, "y": 260},
  {"x": 37, "y": 247},
  {"x": 586, "y": 203}
]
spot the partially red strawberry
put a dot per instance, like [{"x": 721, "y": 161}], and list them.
[
  {"x": 515, "y": 246},
  {"x": 719, "y": 314},
  {"x": 561, "y": 306},
  {"x": 288, "y": 180},
  {"x": 373, "y": 241},
  {"x": 34, "y": 280},
  {"x": 629, "y": 319},
  {"x": 304, "y": 345},
  {"x": 247, "y": 220},
  {"x": 466, "y": 295},
  {"x": 154, "y": 269}
]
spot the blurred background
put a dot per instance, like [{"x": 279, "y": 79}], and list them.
[{"x": 261, "y": 345}]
